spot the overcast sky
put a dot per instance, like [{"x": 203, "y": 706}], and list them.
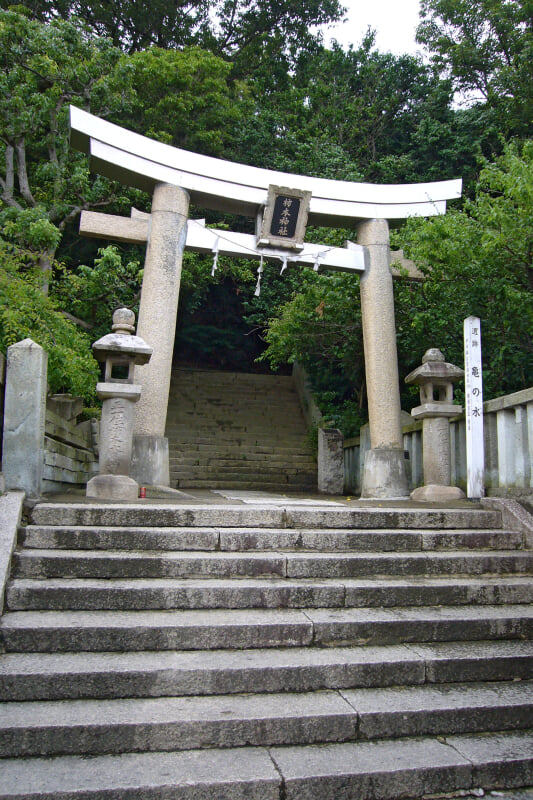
[{"x": 394, "y": 20}]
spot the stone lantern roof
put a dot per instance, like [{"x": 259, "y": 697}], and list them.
[
  {"x": 122, "y": 341},
  {"x": 434, "y": 369}
]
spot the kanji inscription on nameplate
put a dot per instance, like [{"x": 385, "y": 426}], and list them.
[{"x": 285, "y": 218}]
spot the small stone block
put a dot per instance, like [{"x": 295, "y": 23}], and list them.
[
  {"x": 113, "y": 487},
  {"x": 437, "y": 494}
]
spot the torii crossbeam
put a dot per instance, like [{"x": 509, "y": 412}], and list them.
[{"x": 174, "y": 176}]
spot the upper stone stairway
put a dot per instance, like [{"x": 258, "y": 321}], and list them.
[
  {"x": 234, "y": 652},
  {"x": 237, "y": 431}
]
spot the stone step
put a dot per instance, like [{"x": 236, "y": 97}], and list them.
[
  {"x": 144, "y": 514},
  {"x": 212, "y": 458},
  {"x": 241, "y": 539},
  {"x": 71, "y": 727},
  {"x": 159, "y": 593},
  {"x": 253, "y": 432},
  {"x": 233, "y": 446},
  {"x": 226, "y": 418},
  {"x": 177, "y": 723},
  {"x": 49, "y": 631},
  {"x": 259, "y": 460},
  {"x": 236, "y": 412},
  {"x": 61, "y": 676},
  {"x": 380, "y": 769},
  {"x": 248, "y": 470},
  {"x": 248, "y": 482},
  {"x": 33, "y": 563},
  {"x": 216, "y": 386},
  {"x": 206, "y": 376},
  {"x": 213, "y": 381}
]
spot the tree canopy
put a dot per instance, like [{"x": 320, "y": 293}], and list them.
[
  {"x": 486, "y": 46},
  {"x": 248, "y": 81}
]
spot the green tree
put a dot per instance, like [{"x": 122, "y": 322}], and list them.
[
  {"x": 44, "y": 184},
  {"x": 26, "y": 312},
  {"x": 364, "y": 115},
  {"x": 182, "y": 97},
  {"x": 486, "y": 46},
  {"x": 321, "y": 328},
  {"x": 248, "y": 32},
  {"x": 477, "y": 261}
]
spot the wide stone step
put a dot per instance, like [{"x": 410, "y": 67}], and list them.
[
  {"x": 177, "y": 723},
  {"x": 49, "y": 631},
  {"x": 234, "y": 447},
  {"x": 160, "y": 593},
  {"x": 144, "y": 514},
  {"x": 248, "y": 482},
  {"x": 195, "y": 459},
  {"x": 188, "y": 722},
  {"x": 160, "y": 564},
  {"x": 60, "y": 676},
  {"x": 380, "y": 769},
  {"x": 250, "y": 435},
  {"x": 213, "y": 465},
  {"x": 242, "y": 539},
  {"x": 260, "y": 474}
]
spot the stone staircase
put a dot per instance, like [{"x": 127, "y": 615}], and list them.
[
  {"x": 237, "y": 652},
  {"x": 237, "y": 431}
]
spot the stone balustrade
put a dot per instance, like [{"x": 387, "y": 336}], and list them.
[{"x": 508, "y": 434}]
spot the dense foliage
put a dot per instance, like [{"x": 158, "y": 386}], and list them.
[{"x": 248, "y": 81}]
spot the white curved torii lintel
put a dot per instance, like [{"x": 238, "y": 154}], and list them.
[{"x": 138, "y": 161}]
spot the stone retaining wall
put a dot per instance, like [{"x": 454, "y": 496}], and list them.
[{"x": 69, "y": 451}]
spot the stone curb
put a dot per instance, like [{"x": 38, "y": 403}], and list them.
[
  {"x": 514, "y": 516},
  {"x": 10, "y": 516}
]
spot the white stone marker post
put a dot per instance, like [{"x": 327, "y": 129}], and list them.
[
  {"x": 385, "y": 470},
  {"x": 157, "y": 325},
  {"x": 120, "y": 351},
  {"x": 24, "y": 417},
  {"x": 475, "y": 452}
]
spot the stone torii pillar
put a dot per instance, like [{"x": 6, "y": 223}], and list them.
[
  {"x": 157, "y": 323},
  {"x": 385, "y": 472}
]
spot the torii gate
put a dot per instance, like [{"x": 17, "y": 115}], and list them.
[{"x": 174, "y": 176}]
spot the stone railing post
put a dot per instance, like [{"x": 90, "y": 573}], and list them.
[
  {"x": 24, "y": 417},
  {"x": 330, "y": 461},
  {"x": 157, "y": 325}
]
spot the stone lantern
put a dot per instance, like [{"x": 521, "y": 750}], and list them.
[
  {"x": 120, "y": 351},
  {"x": 436, "y": 378}
]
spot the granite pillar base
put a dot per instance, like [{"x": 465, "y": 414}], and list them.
[
  {"x": 113, "y": 487},
  {"x": 433, "y": 493},
  {"x": 385, "y": 474},
  {"x": 149, "y": 461}
]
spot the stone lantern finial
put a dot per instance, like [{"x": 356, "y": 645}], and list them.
[{"x": 123, "y": 321}]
